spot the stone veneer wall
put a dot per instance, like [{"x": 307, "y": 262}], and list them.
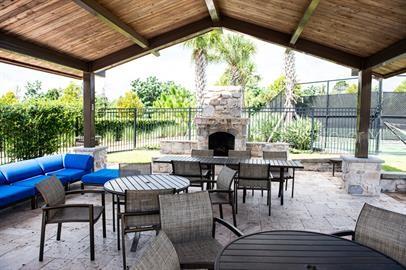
[
  {"x": 99, "y": 154},
  {"x": 361, "y": 176},
  {"x": 177, "y": 147}
]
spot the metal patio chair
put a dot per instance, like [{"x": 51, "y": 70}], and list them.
[
  {"x": 187, "y": 219},
  {"x": 382, "y": 230},
  {"x": 141, "y": 213},
  {"x": 255, "y": 177},
  {"x": 192, "y": 170},
  {"x": 288, "y": 174},
  {"x": 206, "y": 169},
  {"x": 57, "y": 211},
  {"x": 224, "y": 193},
  {"x": 160, "y": 254}
]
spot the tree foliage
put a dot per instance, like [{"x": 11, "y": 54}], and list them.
[
  {"x": 401, "y": 88},
  {"x": 176, "y": 97},
  {"x": 72, "y": 94},
  {"x": 150, "y": 89},
  {"x": 33, "y": 90},
  {"x": 129, "y": 100},
  {"x": 8, "y": 98}
]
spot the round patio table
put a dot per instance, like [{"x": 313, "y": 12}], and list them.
[
  {"x": 118, "y": 186},
  {"x": 300, "y": 250}
]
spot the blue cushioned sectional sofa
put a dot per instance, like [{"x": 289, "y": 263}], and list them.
[{"x": 18, "y": 180}]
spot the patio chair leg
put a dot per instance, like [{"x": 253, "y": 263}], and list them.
[
  {"x": 286, "y": 186},
  {"x": 293, "y": 186},
  {"x": 91, "y": 233},
  {"x": 262, "y": 193},
  {"x": 252, "y": 192},
  {"x": 33, "y": 203},
  {"x": 234, "y": 218},
  {"x": 42, "y": 238},
  {"x": 104, "y": 222},
  {"x": 58, "y": 232},
  {"x": 269, "y": 199},
  {"x": 221, "y": 210},
  {"x": 280, "y": 189},
  {"x": 118, "y": 223},
  {"x": 114, "y": 212},
  {"x": 236, "y": 198},
  {"x": 123, "y": 246},
  {"x": 244, "y": 194}
]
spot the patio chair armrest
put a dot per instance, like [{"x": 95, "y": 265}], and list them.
[
  {"x": 132, "y": 214},
  {"x": 345, "y": 233},
  {"x": 220, "y": 191},
  {"x": 61, "y": 206},
  {"x": 233, "y": 229},
  {"x": 101, "y": 192}
]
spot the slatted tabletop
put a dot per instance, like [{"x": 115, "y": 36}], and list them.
[
  {"x": 232, "y": 161},
  {"x": 300, "y": 250},
  {"x": 119, "y": 185}
]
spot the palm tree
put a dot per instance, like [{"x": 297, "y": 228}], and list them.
[
  {"x": 290, "y": 75},
  {"x": 201, "y": 54},
  {"x": 236, "y": 51}
]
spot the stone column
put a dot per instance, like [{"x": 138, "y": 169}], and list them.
[
  {"x": 99, "y": 153},
  {"x": 362, "y": 176}
]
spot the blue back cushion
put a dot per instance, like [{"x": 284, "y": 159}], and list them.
[
  {"x": 50, "y": 163},
  {"x": 3, "y": 180},
  {"x": 78, "y": 161},
  {"x": 21, "y": 170}
]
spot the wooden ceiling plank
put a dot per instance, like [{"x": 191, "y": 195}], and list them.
[
  {"x": 14, "y": 44},
  {"x": 156, "y": 43},
  {"x": 388, "y": 54},
  {"x": 113, "y": 21},
  {"x": 305, "y": 19},
  {"x": 302, "y": 45},
  {"x": 213, "y": 10}
]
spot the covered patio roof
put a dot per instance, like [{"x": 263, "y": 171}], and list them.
[{"x": 69, "y": 37}]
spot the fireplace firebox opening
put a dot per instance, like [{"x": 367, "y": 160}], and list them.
[{"x": 221, "y": 142}]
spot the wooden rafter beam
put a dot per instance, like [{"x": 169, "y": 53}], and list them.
[
  {"x": 113, "y": 22},
  {"x": 305, "y": 19},
  {"x": 388, "y": 54},
  {"x": 156, "y": 43},
  {"x": 306, "y": 46},
  {"x": 213, "y": 10},
  {"x": 17, "y": 45},
  {"x": 40, "y": 68}
]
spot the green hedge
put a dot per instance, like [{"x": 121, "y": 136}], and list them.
[
  {"x": 31, "y": 130},
  {"x": 117, "y": 127}
]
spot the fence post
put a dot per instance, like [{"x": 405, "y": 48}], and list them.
[
  {"x": 379, "y": 117},
  {"x": 327, "y": 115},
  {"x": 135, "y": 128},
  {"x": 190, "y": 124},
  {"x": 312, "y": 131},
  {"x": 249, "y": 124}
]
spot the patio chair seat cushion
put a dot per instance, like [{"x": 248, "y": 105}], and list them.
[
  {"x": 78, "y": 161},
  {"x": 21, "y": 170},
  {"x": 201, "y": 252},
  {"x": 11, "y": 193},
  {"x": 31, "y": 182},
  {"x": 100, "y": 177},
  {"x": 50, "y": 163},
  {"x": 252, "y": 183},
  {"x": 75, "y": 214},
  {"x": 219, "y": 198},
  {"x": 68, "y": 175}
]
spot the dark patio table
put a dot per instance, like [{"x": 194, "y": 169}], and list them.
[
  {"x": 300, "y": 250},
  {"x": 212, "y": 161}
]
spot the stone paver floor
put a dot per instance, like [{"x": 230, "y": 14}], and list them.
[{"x": 319, "y": 204}]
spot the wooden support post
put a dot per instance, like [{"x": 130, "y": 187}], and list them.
[
  {"x": 363, "y": 112},
  {"x": 89, "y": 109}
]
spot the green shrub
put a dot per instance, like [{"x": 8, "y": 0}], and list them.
[
  {"x": 269, "y": 131},
  {"x": 298, "y": 133},
  {"x": 35, "y": 129}
]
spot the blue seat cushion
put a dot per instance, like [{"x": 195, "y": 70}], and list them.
[
  {"x": 50, "y": 163},
  {"x": 10, "y": 194},
  {"x": 78, "y": 161},
  {"x": 21, "y": 170},
  {"x": 100, "y": 177},
  {"x": 30, "y": 182},
  {"x": 3, "y": 180},
  {"x": 68, "y": 175}
]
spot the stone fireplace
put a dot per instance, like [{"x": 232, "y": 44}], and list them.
[{"x": 221, "y": 126}]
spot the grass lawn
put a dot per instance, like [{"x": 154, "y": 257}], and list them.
[{"x": 393, "y": 162}]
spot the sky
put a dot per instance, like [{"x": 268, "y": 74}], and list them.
[{"x": 175, "y": 64}]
